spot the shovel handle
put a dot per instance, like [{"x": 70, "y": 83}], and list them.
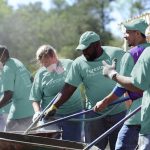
[
  {"x": 123, "y": 99},
  {"x": 77, "y": 114},
  {"x": 62, "y": 119},
  {"x": 112, "y": 129},
  {"x": 41, "y": 114}
]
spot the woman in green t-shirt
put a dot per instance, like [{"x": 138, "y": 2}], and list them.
[{"x": 48, "y": 81}]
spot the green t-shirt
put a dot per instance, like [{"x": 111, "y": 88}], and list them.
[
  {"x": 16, "y": 78},
  {"x": 141, "y": 79},
  {"x": 90, "y": 74},
  {"x": 46, "y": 85},
  {"x": 127, "y": 64}
]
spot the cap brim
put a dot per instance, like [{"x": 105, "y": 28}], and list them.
[
  {"x": 128, "y": 27},
  {"x": 133, "y": 28},
  {"x": 81, "y": 47}
]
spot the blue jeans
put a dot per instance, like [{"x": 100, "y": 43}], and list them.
[
  {"x": 128, "y": 137},
  {"x": 144, "y": 142},
  {"x": 72, "y": 130},
  {"x": 93, "y": 129}
]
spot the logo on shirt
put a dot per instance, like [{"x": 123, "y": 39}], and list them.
[{"x": 94, "y": 71}]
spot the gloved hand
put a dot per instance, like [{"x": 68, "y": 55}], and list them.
[
  {"x": 35, "y": 116},
  {"x": 109, "y": 70},
  {"x": 50, "y": 112}
]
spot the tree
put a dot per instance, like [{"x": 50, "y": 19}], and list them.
[{"x": 25, "y": 29}]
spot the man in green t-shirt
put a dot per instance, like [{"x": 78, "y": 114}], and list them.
[
  {"x": 16, "y": 81},
  {"x": 87, "y": 69},
  {"x": 139, "y": 81},
  {"x": 135, "y": 36}
]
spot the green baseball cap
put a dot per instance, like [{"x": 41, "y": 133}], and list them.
[
  {"x": 86, "y": 39},
  {"x": 138, "y": 25}
]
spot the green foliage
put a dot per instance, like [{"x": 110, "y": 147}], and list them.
[
  {"x": 30, "y": 26},
  {"x": 5, "y": 10}
]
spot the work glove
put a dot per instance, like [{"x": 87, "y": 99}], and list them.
[
  {"x": 35, "y": 116},
  {"x": 109, "y": 70},
  {"x": 49, "y": 112}
]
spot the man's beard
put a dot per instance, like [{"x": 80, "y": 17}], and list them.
[{"x": 92, "y": 57}]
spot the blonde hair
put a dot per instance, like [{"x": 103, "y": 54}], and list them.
[{"x": 45, "y": 50}]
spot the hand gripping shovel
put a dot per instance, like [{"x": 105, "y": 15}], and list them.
[
  {"x": 77, "y": 114},
  {"x": 39, "y": 117}
]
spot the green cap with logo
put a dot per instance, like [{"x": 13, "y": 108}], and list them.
[
  {"x": 86, "y": 39},
  {"x": 138, "y": 25}
]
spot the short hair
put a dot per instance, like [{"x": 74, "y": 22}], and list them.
[
  {"x": 2, "y": 48},
  {"x": 45, "y": 50},
  {"x": 4, "y": 51}
]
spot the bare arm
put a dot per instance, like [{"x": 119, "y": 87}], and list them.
[
  {"x": 66, "y": 93},
  {"x": 105, "y": 102},
  {"x": 5, "y": 99},
  {"x": 126, "y": 83},
  {"x": 129, "y": 102},
  {"x": 110, "y": 72},
  {"x": 36, "y": 106}
]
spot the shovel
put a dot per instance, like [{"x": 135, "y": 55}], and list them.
[
  {"x": 112, "y": 129},
  {"x": 77, "y": 114},
  {"x": 39, "y": 117}
]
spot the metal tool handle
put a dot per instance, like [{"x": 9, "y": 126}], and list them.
[
  {"x": 77, "y": 114},
  {"x": 39, "y": 117},
  {"x": 123, "y": 99},
  {"x": 62, "y": 119},
  {"x": 112, "y": 129}
]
